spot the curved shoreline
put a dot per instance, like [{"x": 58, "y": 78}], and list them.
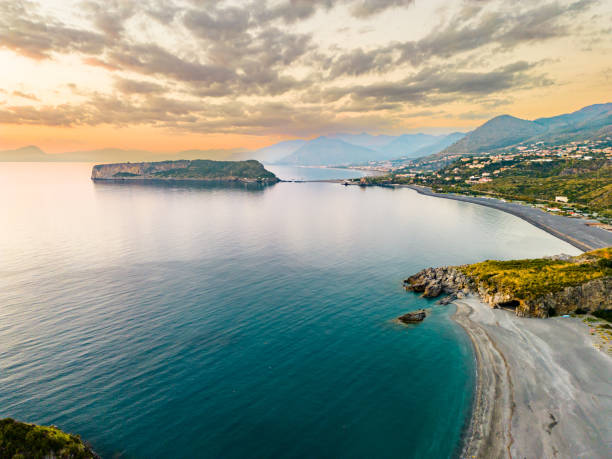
[
  {"x": 542, "y": 390},
  {"x": 571, "y": 230},
  {"x": 486, "y": 435}
]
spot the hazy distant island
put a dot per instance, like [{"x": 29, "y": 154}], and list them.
[
  {"x": 542, "y": 386},
  {"x": 201, "y": 170},
  {"x": 22, "y": 440}
]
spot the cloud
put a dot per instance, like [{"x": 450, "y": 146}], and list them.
[
  {"x": 38, "y": 37},
  {"x": 436, "y": 84},
  {"x": 473, "y": 28},
  {"x": 24, "y": 95},
  {"x": 128, "y": 86},
  {"x": 260, "y": 67},
  {"x": 367, "y": 8},
  {"x": 109, "y": 17}
]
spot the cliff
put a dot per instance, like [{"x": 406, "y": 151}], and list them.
[
  {"x": 21, "y": 440},
  {"x": 531, "y": 288},
  {"x": 197, "y": 170}
]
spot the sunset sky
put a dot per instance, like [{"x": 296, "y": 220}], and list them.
[{"x": 168, "y": 75}]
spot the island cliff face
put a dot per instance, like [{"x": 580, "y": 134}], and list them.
[
  {"x": 197, "y": 170},
  {"x": 531, "y": 288}
]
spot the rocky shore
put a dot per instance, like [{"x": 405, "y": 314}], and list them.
[{"x": 547, "y": 300}]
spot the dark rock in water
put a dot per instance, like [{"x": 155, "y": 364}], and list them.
[{"x": 413, "y": 317}]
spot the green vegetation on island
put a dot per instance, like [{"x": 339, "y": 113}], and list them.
[
  {"x": 201, "y": 169},
  {"x": 19, "y": 440}
]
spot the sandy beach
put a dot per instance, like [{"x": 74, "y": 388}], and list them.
[{"x": 543, "y": 390}]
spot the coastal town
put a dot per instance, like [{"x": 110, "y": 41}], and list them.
[{"x": 571, "y": 179}]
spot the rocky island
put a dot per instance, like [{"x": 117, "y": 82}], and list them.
[
  {"x": 199, "y": 170},
  {"x": 22, "y": 440}
]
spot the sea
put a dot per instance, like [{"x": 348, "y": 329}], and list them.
[{"x": 182, "y": 321}]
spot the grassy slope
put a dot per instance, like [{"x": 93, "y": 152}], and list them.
[
  {"x": 21, "y": 440},
  {"x": 529, "y": 279},
  {"x": 589, "y": 185}
]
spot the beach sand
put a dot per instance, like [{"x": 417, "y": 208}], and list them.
[{"x": 543, "y": 390}]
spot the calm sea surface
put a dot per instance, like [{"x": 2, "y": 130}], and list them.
[{"x": 177, "y": 321}]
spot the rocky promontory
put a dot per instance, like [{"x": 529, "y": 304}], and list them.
[
  {"x": 250, "y": 171},
  {"x": 531, "y": 288}
]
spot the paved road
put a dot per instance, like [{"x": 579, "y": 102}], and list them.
[{"x": 575, "y": 231}]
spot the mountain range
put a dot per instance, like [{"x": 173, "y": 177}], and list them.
[
  {"x": 353, "y": 149},
  {"x": 506, "y": 131}
]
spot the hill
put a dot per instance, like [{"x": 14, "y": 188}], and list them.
[
  {"x": 324, "y": 151},
  {"x": 439, "y": 145},
  {"x": 274, "y": 153},
  {"x": 25, "y": 154},
  {"x": 498, "y": 132},
  {"x": 374, "y": 142},
  {"x": 505, "y": 131},
  {"x": 407, "y": 145}
]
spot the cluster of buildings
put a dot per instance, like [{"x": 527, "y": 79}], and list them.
[{"x": 479, "y": 168}]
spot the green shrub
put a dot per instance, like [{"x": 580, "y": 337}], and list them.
[{"x": 21, "y": 440}]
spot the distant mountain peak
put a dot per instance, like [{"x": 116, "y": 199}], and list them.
[{"x": 31, "y": 148}]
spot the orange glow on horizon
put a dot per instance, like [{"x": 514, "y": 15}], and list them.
[{"x": 64, "y": 139}]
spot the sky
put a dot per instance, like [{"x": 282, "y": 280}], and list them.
[{"x": 170, "y": 75}]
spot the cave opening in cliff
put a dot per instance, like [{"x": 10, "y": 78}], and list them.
[{"x": 512, "y": 304}]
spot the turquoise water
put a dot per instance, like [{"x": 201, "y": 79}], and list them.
[{"x": 174, "y": 321}]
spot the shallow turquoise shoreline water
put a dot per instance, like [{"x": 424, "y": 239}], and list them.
[{"x": 210, "y": 322}]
